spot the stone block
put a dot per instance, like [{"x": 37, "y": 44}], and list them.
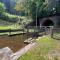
[{"x": 5, "y": 53}]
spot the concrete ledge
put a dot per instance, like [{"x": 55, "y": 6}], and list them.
[
  {"x": 21, "y": 52},
  {"x": 7, "y": 54},
  {"x": 30, "y": 40}
]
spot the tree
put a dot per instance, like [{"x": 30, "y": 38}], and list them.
[
  {"x": 36, "y": 7},
  {"x": 2, "y": 7},
  {"x": 30, "y": 7},
  {"x": 58, "y": 7},
  {"x": 20, "y": 6}
]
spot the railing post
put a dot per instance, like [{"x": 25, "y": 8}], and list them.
[
  {"x": 27, "y": 32},
  {"x": 45, "y": 30},
  {"x": 9, "y": 31},
  {"x": 51, "y": 32}
]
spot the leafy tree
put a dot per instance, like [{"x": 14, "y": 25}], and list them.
[
  {"x": 2, "y": 7},
  {"x": 58, "y": 7},
  {"x": 37, "y": 8},
  {"x": 31, "y": 7},
  {"x": 20, "y": 7}
]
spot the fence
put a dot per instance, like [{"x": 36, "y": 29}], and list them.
[
  {"x": 56, "y": 33},
  {"x": 34, "y": 31},
  {"x": 17, "y": 42},
  {"x": 11, "y": 32}
]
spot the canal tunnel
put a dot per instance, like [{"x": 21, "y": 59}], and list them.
[{"x": 47, "y": 22}]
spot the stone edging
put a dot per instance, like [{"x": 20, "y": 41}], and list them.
[{"x": 21, "y": 52}]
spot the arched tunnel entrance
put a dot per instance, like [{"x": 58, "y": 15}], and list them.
[{"x": 47, "y": 22}]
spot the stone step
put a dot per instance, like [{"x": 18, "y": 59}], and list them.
[{"x": 30, "y": 40}]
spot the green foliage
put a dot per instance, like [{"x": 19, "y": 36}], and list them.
[
  {"x": 39, "y": 8},
  {"x": 31, "y": 7},
  {"x": 2, "y": 7},
  {"x": 58, "y": 7},
  {"x": 20, "y": 7},
  {"x": 9, "y": 17}
]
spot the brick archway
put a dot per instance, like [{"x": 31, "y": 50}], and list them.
[{"x": 47, "y": 22}]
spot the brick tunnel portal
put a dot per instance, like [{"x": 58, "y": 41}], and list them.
[{"x": 47, "y": 22}]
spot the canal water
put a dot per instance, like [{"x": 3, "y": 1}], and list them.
[{"x": 14, "y": 42}]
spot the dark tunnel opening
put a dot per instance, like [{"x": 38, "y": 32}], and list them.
[{"x": 48, "y": 23}]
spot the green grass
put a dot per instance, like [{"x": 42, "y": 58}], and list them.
[
  {"x": 12, "y": 27},
  {"x": 56, "y": 35},
  {"x": 4, "y": 27},
  {"x": 23, "y": 20},
  {"x": 7, "y": 27},
  {"x": 40, "y": 51}
]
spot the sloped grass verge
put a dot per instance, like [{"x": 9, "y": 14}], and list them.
[{"x": 40, "y": 51}]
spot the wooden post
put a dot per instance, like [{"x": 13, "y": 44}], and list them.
[
  {"x": 45, "y": 30},
  {"x": 51, "y": 32},
  {"x": 9, "y": 31},
  {"x": 27, "y": 32}
]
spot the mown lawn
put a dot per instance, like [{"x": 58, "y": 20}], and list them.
[
  {"x": 12, "y": 27},
  {"x": 45, "y": 49},
  {"x": 4, "y": 27}
]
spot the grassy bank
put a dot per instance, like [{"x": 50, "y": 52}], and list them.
[
  {"x": 45, "y": 49},
  {"x": 12, "y": 27}
]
